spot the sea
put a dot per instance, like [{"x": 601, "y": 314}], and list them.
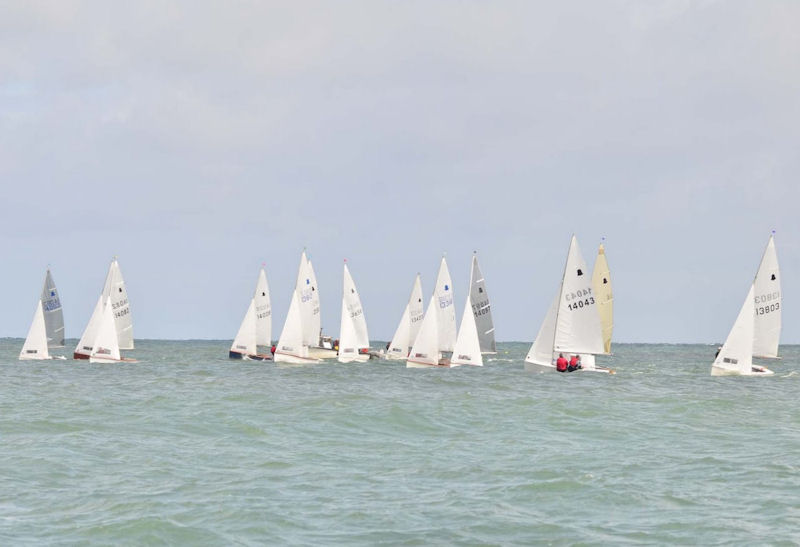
[{"x": 187, "y": 447}]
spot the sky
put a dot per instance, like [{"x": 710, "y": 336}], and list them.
[{"x": 196, "y": 140}]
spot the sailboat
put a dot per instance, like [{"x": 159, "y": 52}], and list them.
[
  {"x": 467, "y": 349},
  {"x": 353, "y": 338},
  {"x": 757, "y": 328},
  {"x": 116, "y": 294},
  {"x": 320, "y": 347},
  {"x": 35, "y": 346},
  {"x": 410, "y": 322},
  {"x": 481, "y": 308},
  {"x": 437, "y": 335},
  {"x": 572, "y": 324},
  {"x": 106, "y": 348},
  {"x": 601, "y": 283},
  {"x": 291, "y": 347},
  {"x": 256, "y": 327},
  {"x": 53, "y": 313}
]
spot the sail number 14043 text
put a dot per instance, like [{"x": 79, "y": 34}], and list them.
[{"x": 580, "y": 299}]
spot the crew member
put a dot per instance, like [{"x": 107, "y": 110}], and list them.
[
  {"x": 574, "y": 363},
  {"x": 561, "y": 363}
]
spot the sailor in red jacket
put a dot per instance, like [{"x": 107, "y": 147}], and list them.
[
  {"x": 574, "y": 363},
  {"x": 561, "y": 363}
]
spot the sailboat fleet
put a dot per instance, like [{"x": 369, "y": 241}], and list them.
[{"x": 578, "y": 323}]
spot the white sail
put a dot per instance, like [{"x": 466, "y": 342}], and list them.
[
  {"x": 445, "y": 308},
  {"x": 467, "y": 350},
  {"x": 425, "y": 350},
  {"x": 768, "y": 304},
  {"x": 263, "y": 311},
  {"x": 35, "y": 346},
  {"x": 736, "y": 355},
  {"x": 601, "y": 282},
  {"x": 115, "y": 290},
  {"x": 541, "y": 352},
  {"x": 578, "y": 327},
  {"x": 410, "y": 322},
  {"x": 245, "y": 341},
  {"x": 353, "y": 336},
  {"x": 291, "y": 347},
  {"x": 106, "y": 343},
  {"x": 306, "y": 288},
  {"x": 53, "y": 313},
  {"x": 86, "y": 343},
  {"x": 481, "y": 308}
]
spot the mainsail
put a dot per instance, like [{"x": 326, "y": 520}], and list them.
[
  {"x": 53, "y": 313},
  {"x": 768, "y": 303},
  {"x": 263, "y": 311},
  {"x": 601, "y": 282},
  {"x": 114, "y": 290},
  {"x": 353, "y": 336},
  {"x": 445, "y": 308},
  {"x": 481, "y": 308}
]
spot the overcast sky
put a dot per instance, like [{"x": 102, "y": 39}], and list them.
[{"x": 196, "y": 140}]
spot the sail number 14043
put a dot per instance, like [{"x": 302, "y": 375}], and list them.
[{"x": 579, "y": 299}]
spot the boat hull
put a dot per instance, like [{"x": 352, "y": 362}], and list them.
[
  {"x": 417, "y": 364},
  {"x": 754, "y": 371},
  {"x": 322, "y": 353},
  {"x": 294, "y": 359},
  {"x": 249, "y": 356},
  {"x": 77, "y": 355},
  {"x": 360, "y": 358}
]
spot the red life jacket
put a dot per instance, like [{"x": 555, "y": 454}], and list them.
[
  {"x": 573, "y": 361},
  {"x": 561, "y": 364}
]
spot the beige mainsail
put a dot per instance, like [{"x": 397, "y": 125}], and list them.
[{"x": 601, "y": 282}]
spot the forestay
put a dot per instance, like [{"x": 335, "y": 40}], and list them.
[
  {"x": 481, "y": 308},
  {"x": 53, "y": 313},
  {"x": 768, "y": 304}
]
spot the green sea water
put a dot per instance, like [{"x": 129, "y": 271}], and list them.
[{"x": 189, "y": 448}]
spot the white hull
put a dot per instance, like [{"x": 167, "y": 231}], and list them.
[
  {"x": 360, "y": 358},
  {"x": 761, "y": 371},
  {"x": 417, "y": 364},
  {"x": 293, "y": 359},
  {"x": 322, "y": 353},
  {"x": 536, "y": 367}
]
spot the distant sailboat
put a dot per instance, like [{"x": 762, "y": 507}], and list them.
[
  {"x": 467, "y": 350},
  {"x": 481, "y": 308},
  {"x": 353, "y": 338},
  {"x": 53, "y": 313},
  {"x": 437, "y": 335},
  {"x": 757, "y": 327},
  {"x": 255, "y": 329},
  {"x": 291, "y": 347},
  {"x": 114, "y": 289},
  {"x": 35, "y": 346},
  {"x": 84, "y": 348},
  {"x": 572, "y": 324},
  {"x": 106, "y": 343},
  {"x": 410, "y": 322}
]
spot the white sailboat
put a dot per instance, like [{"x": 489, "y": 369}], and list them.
[
  {"x": 467, "y": 350},
  {"x": 353, "y": 338},
  {"x": 254, "y": 331},
  {"x": 291, "y": 347},
  {"x": 756, "y": 331},
  {"x": 572, "y": 324},
  {"x": 114, "y": 289},
  {"x": 308, "y": 299},
  {"x": 35, "y": 346},
  {"x": 437, "y": 335},
  {"x": 410, "y": 322},
  {"x": 106, "y": 342},
  {"x": 53, "y": 313},
  {"x": 481, "y": 308}
]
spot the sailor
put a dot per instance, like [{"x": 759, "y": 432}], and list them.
[
  {"x": 574, "y": 363},
  {"x": 561, "y": 363}
]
